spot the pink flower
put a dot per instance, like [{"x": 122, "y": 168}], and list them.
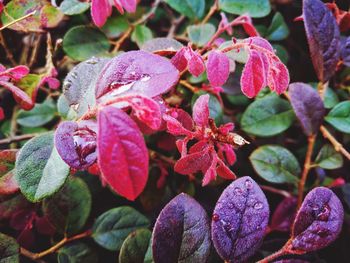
[{"x": 102, "y": 9}]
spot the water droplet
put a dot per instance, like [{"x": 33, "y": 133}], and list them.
[
  {"x": 66, "y": 86},
  {"x": 248, "y": 184},
  {"x": 92, "y": 61},
  {"x": 74, "y": 75},
  {"x": 258, "y": 205},
  {"x": 238, "y": 191},
  {"x": 145, "y": 77},
  {"x": 324, "y": 214},
  {"x": 216, "y": 217}
]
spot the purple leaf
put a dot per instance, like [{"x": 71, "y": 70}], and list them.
[
  {"x": 76, "y": 143},
  {"x": 284, "y": 215},
  {"x": 345, "y": 51},
  {"x": 318, "y": 221},
  {"x": 181, "y": 232},
  {"x": 136, "y": 72},
  {"x": 239, "y": 221},
  {"x": 323, "y": 37},
  {"x": 308, "y": 106},
  {"x": 218, "y": 68}
]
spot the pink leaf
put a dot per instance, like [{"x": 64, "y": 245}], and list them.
[
  {"x": 261, "y": 42},
  {"x": 2, "y": 114},
  {"x": 218, "y": 68},
  {"x": 122, "y": 153},
  {"x": 195, "y": 62},
  {"x": 179, "y": 60},
  {"x": 100, "y": 10},
  {"x": 18, "y": 72},
  {"x": 129, "y": 5},
  {"x": 253, "y": 77},
  {"x": 225, "y": 24},
  {"x": 210, "y": 174},
  {"x": 136, "y": 72},
  {"x": 8, "y": 184},
  {"x": 278, "y": 78},
  {"x": 20, "y": 96},
  {"x": 201, "y": 110},
  {"x": 175, "y": 127}
]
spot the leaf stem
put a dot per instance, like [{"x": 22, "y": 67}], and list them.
[
  {"x": 57, "y": 246},
  {"x": 17, "y": 20},
  {"x": 337, "y": 145},
  {"x": 211, "y": 12},
  {"x": 275, "y": 190},
  {"x": 282, "y": 252},
  {"x": 18, "y": 138},
  {"x": 307, "y": 166}
]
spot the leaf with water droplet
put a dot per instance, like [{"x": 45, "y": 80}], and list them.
[
  {"x": 181, "y": 232},
  {"x": 239, "y": 220},
  {"x": 318, "y": 221},
  {"x": 136, "y": 72}
]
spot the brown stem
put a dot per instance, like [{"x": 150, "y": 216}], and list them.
[
  {"x": 275, "y": 190},
  {"x": 17, "y": 138},
  {"x": 7, "y": 51},
  {"x": 282, "y": 252},
  {"x": 57, "y": 246},
  {"x": 307, "y": 166},
  {"x": 337, "y": 145},
  {"x": 211, "y": 12},
  {"x": 153, "y": 154},
  {"x": 174, "y": 25},
  {"x": 34, "y": 54},
  {"x": 188, "y": 86}
]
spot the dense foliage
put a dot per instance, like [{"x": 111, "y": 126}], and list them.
[{"x": 174, "y": 131}]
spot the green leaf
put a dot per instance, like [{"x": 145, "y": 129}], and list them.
[
  {"x": 329, "y": 158},
  {"x": 339, "y": 117},
  {"x": 330, "y": 98},
  {"x": 253, "y": 8},
  {"x": 40, "y": 171},
  {"x": 141, "y": 34},
  {"x": 200, "y": 34},
  {"x": 190, "y": 8},
  {"x": 73, "y": 7},
  {"x": 281, "y": 52},
  {"x": 149, "y": 254},
  {"x": 82, "y": 42},
  {"x": 135, "y": 247},
  {"x": 115, "y": 26},
  {"x": 112, "y": 227},
  {"x": 69, "y": 209},
  {"x": 268, "y": 116},
  {"x": 77, "y": 252},
  {"x": 41, "y": 114},
  {"x": 278, "y": 29},
  {"x": 275, "y": 164},
  {"x": 9, "y": 249},
  {"x": 29, "y": 84},
  {"x": 46, "y": 16}
]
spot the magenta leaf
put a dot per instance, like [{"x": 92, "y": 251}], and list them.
[
  {"x": 239, "y": 220},
  {"x": 283, "y": 217},
  {"x": 201, "y": 110},
  {"x": 278, "y": 77},
  {"x": 76, "y": 143},
  {"x": 218, "y": 68},
  {"x": 253, "y": 78},
  {"x": 195, "y": 62},
  {"x": 193, "y": 162},
  {"x": 179, "y": 60},
  {"x": 137, "y": 72},
  {"x": 308, "y": 106},
  {"x": 323, "y": 37},
  {"x": 181, "y": 232},
  {"x": 122, "y": 153},
  {"x": 318, "y": 221},
  {"x": 100, "y": 11}
]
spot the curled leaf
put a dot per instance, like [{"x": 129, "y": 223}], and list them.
[
  {"x": 318, "y": 221},
  {"x": 239, "y": 220},
  {"x": 323, "y": 37},
  {"x": 308, "y": 106},
  {"x": 181, "y": 232}
]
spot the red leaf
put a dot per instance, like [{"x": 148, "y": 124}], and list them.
[
  {"x": 8, "y": 184},
  {"x": 195, "y": 62},
  {"x": 175, "y": 127},
  {"x": 2, "y": 114},
  {"x": 253, "y": 77},
  {"x": 122, "y": 153},
  {"x": 20, "y": 96},
  {"x": 100, "y": 10},
  {"x": 218, "y": 68},
  {"x": 193, "y": 163},
  {"x": 278, "y": 77},
  {"x": 179, "y": 60},
  {"x": 201, "y": 110}
]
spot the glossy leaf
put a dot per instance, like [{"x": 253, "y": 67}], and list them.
[
  {"x": 136, "y": 72},
  {"x": 135, "y": 247},
  {"x": 308, "y": 106},
  {"x": 323, "y": 37},
  {"x": 40, "y": 171},
  {"x": 218, "y": 68},
  {"x": 9, "y": 249},
  {"x": 267, "y": 116},
  {"x": 275, "y": 164},
  {"x": 141, "y": 34},
  {"x": 69, "y": 209},
  {"x": 83, "y": 42},
  {"x": 239, "y": 220},
  {"x": 122, "y": 153},
  {"x": 189, "y": 8},
  {"x": 278, "y": 29},
  {"x": 200, "y": 34},
  {"x": 181, "y": 232},
  {"x": 253, "y": 8},
  {"x": 329, "y": 158},
  {"x": 115, "y": 26},
  {"x": 79, "y": 84},
  {"x": 41, "y": 114},
  {"x": 77, "y": 252},
  {"x": 112, "y": 227},
  {"x": 339, "y": 117},
  {"x": 318, "y": 221}
]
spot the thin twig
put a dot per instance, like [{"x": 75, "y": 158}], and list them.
[
  {"x": 337, "y": 145},
  {"x": 188, "y": 86},
  {"x": 34, "y": 54},
  {"x": 211, "y": 12},
  {"x": 275, "y": 190},
  {"x": 17, "y": 20},
  {"x": 307, "y": 166},
  {"x": 7, "y": 51},
  {"x": 17, "y": 138}
]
